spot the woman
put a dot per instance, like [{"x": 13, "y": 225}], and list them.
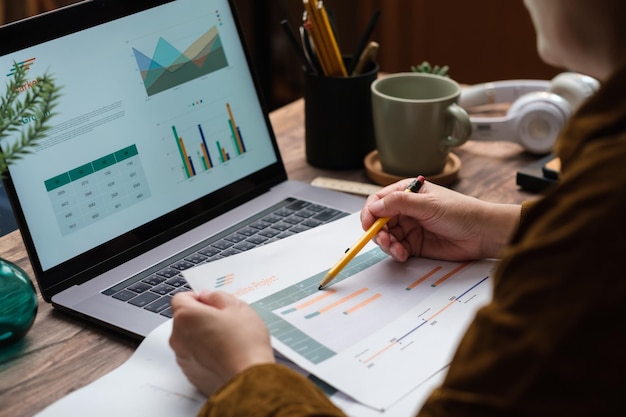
[{"x": 552, "y": 340}]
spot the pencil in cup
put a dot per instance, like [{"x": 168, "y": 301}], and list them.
[{"x": 317, "y": 23}]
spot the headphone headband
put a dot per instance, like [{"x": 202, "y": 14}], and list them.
[
  {"x": 499, "y": 91},
  {"x": 538, "y": 111}
]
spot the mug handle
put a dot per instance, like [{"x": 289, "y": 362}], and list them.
[{"x": 462, "y": 123}]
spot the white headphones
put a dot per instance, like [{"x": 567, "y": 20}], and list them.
[{"x": 538, "y": 111}]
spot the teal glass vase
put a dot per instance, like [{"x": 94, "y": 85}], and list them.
[{"x": 18, "y": 303}]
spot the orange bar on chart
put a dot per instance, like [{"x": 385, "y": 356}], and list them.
[
  {"x": 449, "y": 274},
  {"x": 362, "y": 304},
  {"x": 422, "y": 279},
  {"x": 235, "y": 131},
  {"x": 188, "y": 168},
  {"x": 336, "y": 303},
  {"x": 310, "y": 302},
  {"x": 207, "y": 158}
]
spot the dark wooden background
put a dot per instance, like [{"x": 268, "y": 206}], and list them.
[{"x": 482, "y": 40}]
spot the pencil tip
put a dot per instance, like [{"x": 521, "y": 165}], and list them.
[{"x": 320, "y": 287}]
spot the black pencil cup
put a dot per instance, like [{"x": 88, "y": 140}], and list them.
[{"x": 339, "y": 130}]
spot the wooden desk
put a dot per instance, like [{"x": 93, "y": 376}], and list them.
[{"x": 61, "y": 353}]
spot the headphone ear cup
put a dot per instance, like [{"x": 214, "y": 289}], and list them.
[
  {"x": 538, "y": 118},
  {"x": 574, "y": 88}
]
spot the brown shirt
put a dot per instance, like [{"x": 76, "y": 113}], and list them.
[{"x": 553, "y": 340}]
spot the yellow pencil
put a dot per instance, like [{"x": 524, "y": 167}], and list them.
[
  {"x": 312, "y": 25},
  {"x": 329, "y": 39},
  {"x": 370, "y": 233}
]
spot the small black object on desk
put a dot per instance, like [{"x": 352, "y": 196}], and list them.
[{"x": 539, "y": 175}]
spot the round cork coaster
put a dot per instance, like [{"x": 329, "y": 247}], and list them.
[{"x": 375, "y": 171}]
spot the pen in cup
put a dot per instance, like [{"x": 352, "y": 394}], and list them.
[
  {"x": 368, "y": 55},
  {"x": 414, "y": 187},
  {"x": 296, "y": 46},
  {"x": 309, "y": 52},
  {"x": 363, "y": 41}
]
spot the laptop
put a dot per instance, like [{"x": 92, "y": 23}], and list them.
[{"x": 160, "y": 155}]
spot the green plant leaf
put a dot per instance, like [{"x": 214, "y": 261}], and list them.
[
  {"x": 36, "y": 104},
  {"x": 427, "y": 68}
]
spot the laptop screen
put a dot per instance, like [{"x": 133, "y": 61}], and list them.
[{"x": 158, "y": 127}]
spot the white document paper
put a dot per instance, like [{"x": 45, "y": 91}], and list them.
[
  {"x": 151, "y": 383},
  {"x": 378, "y": 332}
]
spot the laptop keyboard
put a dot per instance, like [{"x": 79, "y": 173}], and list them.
[{"x": 153, "y": 289}]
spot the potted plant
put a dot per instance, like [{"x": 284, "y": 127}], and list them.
[
  {"x": 427, "y": 68},
  {"x": 26, "y": 108}
]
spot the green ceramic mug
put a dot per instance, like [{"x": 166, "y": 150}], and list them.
[{"x": 416, "y": 122}]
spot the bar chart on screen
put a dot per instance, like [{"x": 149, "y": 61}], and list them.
[{"x": 205, "y": 136}]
